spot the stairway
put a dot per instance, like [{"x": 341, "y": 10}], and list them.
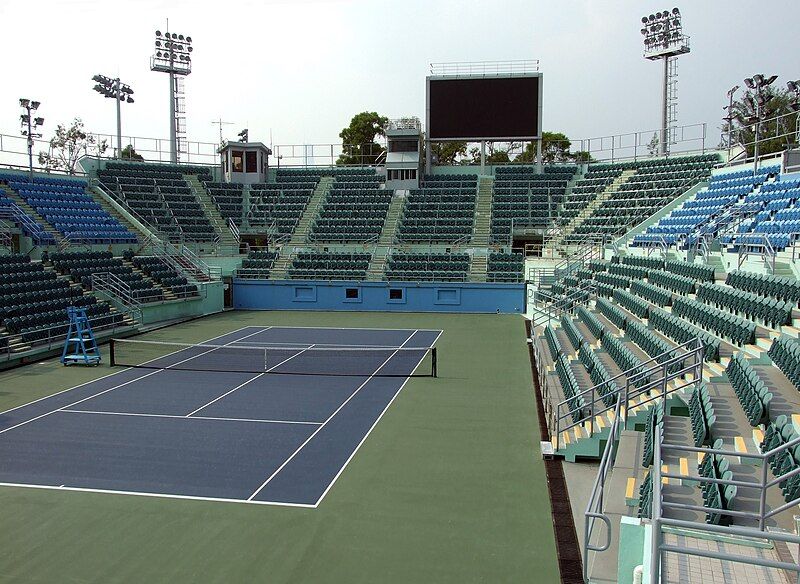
[
  {"x": 479, "y": 265},
  {"x": 280, "y": 269},
  {"x": 483, "y": 212},
  {"x": 217, "y": 221},
  {"x": 590, "y": 208},
  {"x": 306, "y": 222},
  {"x": 377, "y": 265},
  {"x": 32, "y": 213}
]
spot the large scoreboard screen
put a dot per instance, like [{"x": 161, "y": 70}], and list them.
[{"x": 484, "y": 108}]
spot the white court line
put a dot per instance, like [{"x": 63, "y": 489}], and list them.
[
  {"x": 378, "y": 419},
  {"x": 177, "y": 417},
  {"x": 298, "y": 346},
  {"x": 157, "y": 371},
  {"x": 227, "y": 393},
  {"x": 113, "y": 374},
  {"x": 355, "y": 328},
  {"x": 352, "y": 395},
  {"x": 164, "y": 495}
]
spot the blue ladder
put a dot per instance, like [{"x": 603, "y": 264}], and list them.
[{"x": 80, "y": 345}]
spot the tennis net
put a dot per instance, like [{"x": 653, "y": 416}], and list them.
[{"x": 285, "y": 360}]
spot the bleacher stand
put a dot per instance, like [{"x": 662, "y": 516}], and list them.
[{"x": 442, "y": 210}]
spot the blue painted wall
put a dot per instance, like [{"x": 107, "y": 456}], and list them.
[{"x": 378, "y": 296}]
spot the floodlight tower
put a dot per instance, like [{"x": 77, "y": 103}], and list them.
[
  {"x": 664, "y": 39},
  {"x": 119, "y": 92},
  {"x": 30, "y": 127},
  {"x": 794, "y": 89},
  {"x": 758, "y": 85},
  {"x": 173, "y": 56}
]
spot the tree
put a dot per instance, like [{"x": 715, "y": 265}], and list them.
[
  {"x": 358, "y": 139},
  {"x": 774, "y": 134},
  {"x": 128, "y": 153},
  {"x": 496, "y": 153},
  {"x": 652, "y": 146},
  {"x": 449, "y": 152},
  {"x": 68, "y": 145},
  {"x": 555, "y": 148}
]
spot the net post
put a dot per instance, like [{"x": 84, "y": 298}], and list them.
[
  {"x": 112, "y": 360},
  {"x": 434, "y": 368}
]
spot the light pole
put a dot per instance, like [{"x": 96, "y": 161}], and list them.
[
  {"x": 30, "y": 127},
  {"x": 118, "y": 91},
  {"x": 173, "y": 56},
  {"x": 729, "y": 118},
  {"x": 664, "y": 39},
  {"x": 758, "y": 85},
  {"x": 794, "y": 87}
]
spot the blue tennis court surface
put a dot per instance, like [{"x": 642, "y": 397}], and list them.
[{"x": 280, "y": 436}]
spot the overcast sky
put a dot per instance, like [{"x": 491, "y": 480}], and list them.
[{"x": 302, "y": 68}]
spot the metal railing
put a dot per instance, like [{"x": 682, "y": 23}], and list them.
[
  {"x": 116, "y": 288},
  {"x": 53, "y": 337},
  {"x": 595, "y": 508},
  {"x": 555, "y": 306},
  {"x": 632, "y": 384},
  {"x": 757, "y": 244},
  {"x": 234, "y": 229},
  {"x": 35, "y": 231},
  {"x": 762, "y": 486},
  {"x": 639, "y": 381}
]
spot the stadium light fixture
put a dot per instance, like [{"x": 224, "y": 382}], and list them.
[
  {"x": 664, "y": 40},
  {"x": 794, "y": 89},
  {"x": 119, "y": 92},
  {"x": 172, "y": 55},
  {"x": 730, "y": 117},
  {"x": 758, "y": 101},
  {"x": 30, "y": 128}
]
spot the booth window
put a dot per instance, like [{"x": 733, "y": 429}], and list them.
[
  {"x": 237, "y": 162},
  {"x": 251, "y": 159},
  {"x": 395, "y": 293},
  {"x": 351, "y": 293}
]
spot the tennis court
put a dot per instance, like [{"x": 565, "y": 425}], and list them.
[{"x": 263, "y": 414}]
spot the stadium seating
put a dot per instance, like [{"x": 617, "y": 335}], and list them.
[
  {"x": 258, "y": 264},
  {"x": 716, "y": 495},
  {"x": 656, "y": 183},
  {"x": 522, "y": 195},
  {"x": 569, "y": 385},
  {"x": 552, "y": 343},
  {"x": 777, "y": 433},
  {"x": 701, "y": 415},
  {"x": 159, "y": 195},
  {"x": 752, "y": 392},
  {"x": 280, "y": 205},
  {"x": 585, "y": 190},
  {"x": 785, "y": 353},
  {"x": 66, "y": 206},
  {"x": 773, "y": 312},
  {"x": 727, "y": 325},
  {"x": 33, "y": 301},
  {"x": 439, "y": 267},
  {"x": 505, "y": 267},
  {"x": 355, "y": 210},
  {"x": 781, "y": 288},
  {"x": 80, "y": 266},
  {"x": 443, "y": 210},
  {"x": 330, "y": 266},
  {"x": 165, "y": 276},
  {"x": 573, "y": 334}
]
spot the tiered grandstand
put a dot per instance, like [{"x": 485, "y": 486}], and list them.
[
  {"x": 665, "y": 327},
  {"x": 673, "y": 356}
]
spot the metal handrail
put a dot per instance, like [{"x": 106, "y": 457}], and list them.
[
  {"x": 55, "y": 337},
  {"x": 637, "y": 382},
  {"x": 595, "y": 506},
  {"x": 658, "y": 521}
]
